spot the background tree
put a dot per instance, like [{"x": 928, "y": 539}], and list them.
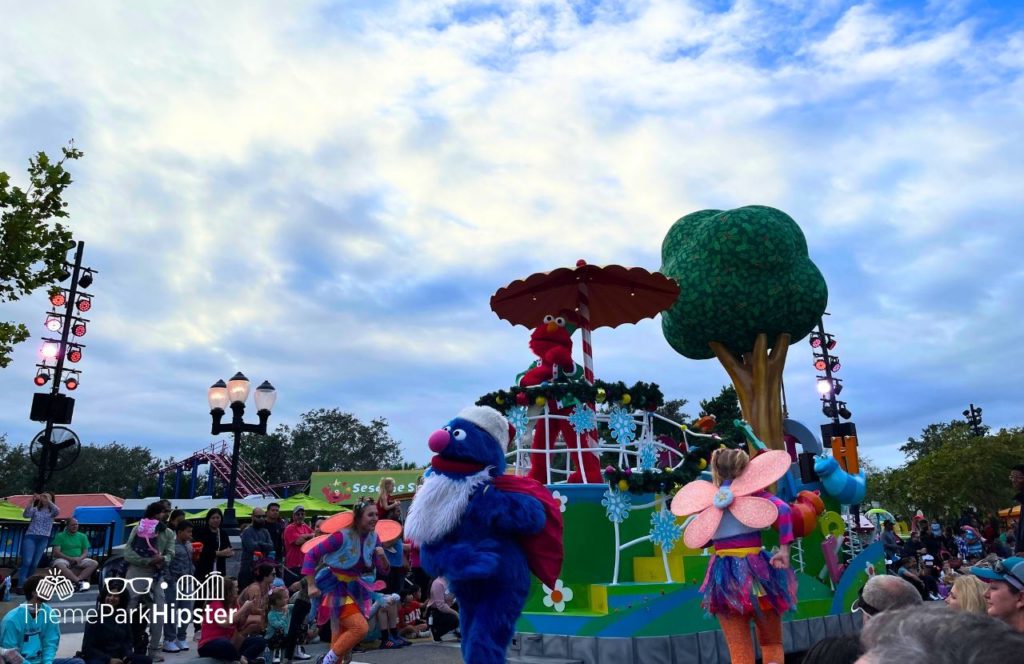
[
  {"x": 935, "y": 436},
  {"x": 726, "y": 408},
  {"x": 673, "y": 410},
  {"x": 747, "y": 291},
  {"x": 323, "y": 440},
  {"x": 32, "y": 246},
  {"x": 953, "y": 475},
  {"x": 113, "y": 468}
]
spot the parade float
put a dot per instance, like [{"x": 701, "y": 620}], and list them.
[{"x": 737, "y": 286}]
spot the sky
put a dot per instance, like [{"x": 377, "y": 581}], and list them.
[{"x": 325, "y": 194}]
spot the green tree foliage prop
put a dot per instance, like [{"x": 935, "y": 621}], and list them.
[
  {"x": 33, "y": 247},
  {"x": 747, "y": 291}
]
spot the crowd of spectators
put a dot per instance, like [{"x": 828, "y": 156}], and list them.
[
  {"x": 951, "y": 595},
  {"x": 274, "y": 615}
]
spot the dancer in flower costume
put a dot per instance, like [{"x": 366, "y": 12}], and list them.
[
  {"x": 353, "y": 556},
  {"x": 743, "y": 581}
]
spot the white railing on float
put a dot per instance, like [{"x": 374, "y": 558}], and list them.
[{"x": 628, "y": 457}]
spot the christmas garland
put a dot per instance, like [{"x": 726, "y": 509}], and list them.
[
  {"x": 665, "y": 480},
  {"x": 647, "y": 396}
]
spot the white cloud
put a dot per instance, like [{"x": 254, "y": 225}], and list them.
[{"x": 288, "y": 189}]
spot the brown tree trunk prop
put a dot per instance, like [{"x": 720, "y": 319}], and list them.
[{"x": 757, "y": 377}]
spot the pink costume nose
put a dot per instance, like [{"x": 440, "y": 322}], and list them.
[{"x": 438, "y": 441}]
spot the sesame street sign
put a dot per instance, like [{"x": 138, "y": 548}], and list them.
[{"x": 347, "y": 487}]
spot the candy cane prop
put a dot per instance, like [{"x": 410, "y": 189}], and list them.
[{"x": 588, "y": 364}]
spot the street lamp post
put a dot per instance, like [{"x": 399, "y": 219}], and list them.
[
  {"x": 235, "y": 393},
  {"x": 973, "y": 416}
]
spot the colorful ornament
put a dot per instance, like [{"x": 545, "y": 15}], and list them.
[
  {"x": 601, "y": 395},
  {"x": 623, "y": 485},
  {"x": 540, "y": 401},
  {"x": 626, "y": 398}
]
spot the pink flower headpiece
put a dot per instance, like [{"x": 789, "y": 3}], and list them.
[{"x": 710, "y": 502}]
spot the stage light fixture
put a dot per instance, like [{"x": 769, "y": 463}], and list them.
[
  {"x": 819, "y": 364},
  {"x": 50, "y": 350},
  {"x": 815, "y": 341},
  {"x": 42, "y": 378},
  {"x": 63, "y": 275},
  {"x": 86, "y": 280},
  {"x": 831, "y": 344},
  {"x": 58, "y": 299},
  {"x": 84, "y": 304},
  {"x": 844, "y": 412},
  {"x": 79, "y": 329},
  {"x": 838, "y": 387},
  {"x": 823, "y": 386},
  {"x": 835, "y": 365},
  {"x": 53, "y": 323},
  {"x": 828, "y": 410},
  {"x": 71, "y": 382},
  {"x": 75, "y": 354}
]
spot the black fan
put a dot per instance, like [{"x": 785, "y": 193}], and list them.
[{"x": 64, "y": 448}]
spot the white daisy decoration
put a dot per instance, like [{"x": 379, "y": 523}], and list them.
[
  {"x": 558, "y": 596},
  {"x": 562, "y": 500}
]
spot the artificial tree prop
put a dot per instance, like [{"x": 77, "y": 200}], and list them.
[{"x": 747, "y": 291}]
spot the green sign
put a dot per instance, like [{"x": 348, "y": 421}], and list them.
[{"x": 346, "y": 488}]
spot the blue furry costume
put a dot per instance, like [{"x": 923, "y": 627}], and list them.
[{"x": 471, "y": 532}]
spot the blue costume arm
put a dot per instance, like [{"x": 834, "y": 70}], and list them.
[{"x": 512, "y": 513}]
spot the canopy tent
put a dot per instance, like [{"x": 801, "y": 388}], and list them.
[
  {"x": 311, "y": 504},
  {"x": 11, "y": 512},
  {"x": 242, "y": 511}
]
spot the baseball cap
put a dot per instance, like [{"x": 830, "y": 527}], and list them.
[
  {"x": 298, "y": 508},
  {"x": 1008, "y": 570},
  {"x": 928, "y": 558}
]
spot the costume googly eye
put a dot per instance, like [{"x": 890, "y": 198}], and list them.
[
  {"x": 549, "y": 318},
  {"x": 459, "y": 434},
  {"x": 446, "y": 428},
  {"x": 560, "y": 321}
]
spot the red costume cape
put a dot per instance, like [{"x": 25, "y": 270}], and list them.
[{"x": 544, "y": 550}]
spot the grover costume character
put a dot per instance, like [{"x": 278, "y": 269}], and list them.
[
  {"x": 551, "y": 342},
  {"x": 484, "y": 531},
  {"x": 743, "y": 582}
]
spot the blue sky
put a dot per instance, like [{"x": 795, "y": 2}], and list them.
[{"x": 326, "y": 195}]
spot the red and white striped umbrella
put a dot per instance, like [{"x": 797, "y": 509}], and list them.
[{"x": 602, "y": 296}]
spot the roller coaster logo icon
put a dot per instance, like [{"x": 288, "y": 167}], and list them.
[{"x": 187, "y": 588}]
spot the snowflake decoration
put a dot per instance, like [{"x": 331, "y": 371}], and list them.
[
  {"x": 617, "y": 504},
  {"x": 562, "y": 500},
  {"x": 557, "y": 597},
  {"x": 665, "y": 532},
  {"x": 648, "y": 457},
  {"x": 583, "y": 419},
  {"x": 623, "y": 425},
  {"x": 517, "y": 418}
]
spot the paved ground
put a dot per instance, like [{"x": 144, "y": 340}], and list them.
[{"x": 423, "y": 651}]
